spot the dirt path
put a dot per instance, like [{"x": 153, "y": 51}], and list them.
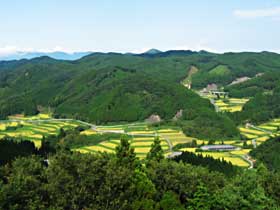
[
  {"x": 248, "y": 159},
  {"x": 260, "y": 129},
  {"x": 217, "y": 109}
]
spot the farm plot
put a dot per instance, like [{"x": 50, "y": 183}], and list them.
[
  {"x": 40, "y": 116},
  {"x": 231, "y": 104},
  {"x": 123, "y": 127},
  {"x": 235, "y": 157},
  {"x": 262, "y": 132},
  {"x": 141, "y": 145},
  {"x": 175, "y": 136},
  {"x": 33, "y": 131}
]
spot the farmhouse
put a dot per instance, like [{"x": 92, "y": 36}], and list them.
[{"x": 218, "y": 147}]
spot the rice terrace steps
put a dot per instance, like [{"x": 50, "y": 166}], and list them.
[{"x": 142, "y": 136}]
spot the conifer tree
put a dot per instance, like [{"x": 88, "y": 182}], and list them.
[{"x": 156, "y": 152}]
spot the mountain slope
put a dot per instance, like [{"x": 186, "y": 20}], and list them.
[
  {"x": 268, "y": 153},
  {"x": 101, "y": 86},
  {"x": 109, "y": 94}
]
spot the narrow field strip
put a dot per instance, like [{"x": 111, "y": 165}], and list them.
[{"x": 252, "y": 131}]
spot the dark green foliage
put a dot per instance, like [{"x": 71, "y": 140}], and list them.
[
  {"x": 73, "y": 139},
  {"x": 268, "y": 153},
  {"x": 261, "y": 108},
  {"x": 156, "y": 152},
  {"x": 171, "y": 201},
  {"x": 192, "y": 144},
  {"x": 245, "y": 192},
  {"x": 11, "y": 149},
  {"x": 74, "y": 182},
  {"x": 84, "y": 181},
  {"x": 125, "y": 154},
  {"x": 265, "y": 83},
  {"x": 212, "y": 164},
  {"x": 201, "y": 199},
  {"x": 205, "y": 124}
]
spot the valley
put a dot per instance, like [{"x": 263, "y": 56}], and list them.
[
  {"x": 141, "y": 137},
  {"x": 139, "y": 105},
  {"x": 137, "y": 122}
]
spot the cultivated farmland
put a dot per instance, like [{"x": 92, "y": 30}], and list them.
[{"x": 141, "y": 136}]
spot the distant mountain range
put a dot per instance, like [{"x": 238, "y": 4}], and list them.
[
  {"x": 56, "y": 55},
  {"x": 62, "y": 55}
]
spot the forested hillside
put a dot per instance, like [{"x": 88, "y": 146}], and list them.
[
  {"x": 268, "y": 154},
  {"x": 103, "y": 181},
  {"x": 265, "y": 83},
  {"x": 265, "y": 98},
  {"x": 125, "y": 87}
]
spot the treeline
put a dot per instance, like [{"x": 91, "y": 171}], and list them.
[
  {"x": 206, "y": 124},
  {"x": 104, "y": 181},
  {"x": 268, "y": 154},
  {"x": 11, "y": 149},
  {"x": 209, "y": 162},
  {"x": 73, "y": 138},
  {"x": 16, "y": 105}
]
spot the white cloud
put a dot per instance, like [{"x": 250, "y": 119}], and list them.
[
  {"x": 258, "y": 13},
  {"x": 10, "y": 50}
]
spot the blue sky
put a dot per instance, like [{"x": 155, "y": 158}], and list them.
[{"x": 137, "y": 25}]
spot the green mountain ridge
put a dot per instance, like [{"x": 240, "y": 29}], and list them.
[{"x": 108, "y": 87}]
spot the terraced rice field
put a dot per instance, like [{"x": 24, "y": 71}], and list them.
[
  {"x": 234, "y": 156},
  {"x": 141, "y": 145},
  {"x": 257, "y": 134},
  {"x": 227, "y": 104},
  {"x": 142, "y": 138},
  {"x": 32, "y": 130},
  {"x": 231, "y": 104},
  {"x": 261, "y": 132},
  {"x": 175, "y": 136},
  {"x": 142, "y": 135},
  {"x": 35, "y": 117}
]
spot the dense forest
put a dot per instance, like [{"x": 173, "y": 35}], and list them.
[
  {"x": 268, "y": 154},
  {"x": 11, "y": 149},
  {"x": 106, "y": 181},
  {"x": 212, "y": 164}
]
